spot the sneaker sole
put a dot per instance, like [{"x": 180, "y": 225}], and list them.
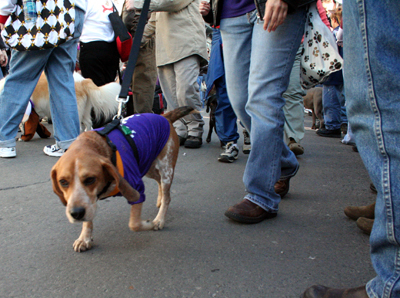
[
  {"x": 227, "y": 159},
  {"x": 8, "y": 155}
]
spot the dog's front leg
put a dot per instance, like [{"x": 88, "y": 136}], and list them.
[
  {"x": 85, "y": 240},
  {"x": 136, "y": 223}
]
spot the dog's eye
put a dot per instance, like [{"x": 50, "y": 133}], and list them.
[
  {"x": 89, "y": 181},
  {"x": 64, "y": 183}
]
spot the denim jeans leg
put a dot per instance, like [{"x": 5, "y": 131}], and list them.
[
  {"x": 225, "y": 117},
  {"x": 59, "y": 72},
  {"x": 331, "y": 107},
  {"x": 257, "y": 66},
  {"x": 25, "y": 70},
  {"x": 341, "y": 97},
  {"x": 372, "y": 79}
]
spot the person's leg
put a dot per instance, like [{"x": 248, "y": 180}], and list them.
[
  {"x": 251, "y": 55},
  {"x": 371, "y": 88},
  {"x": 332, "y": 112},
  {"x": 372, "y": 83},
  {"x": 331, "y": 107},
  {"x": 225, "y": 117},
  {"x": 144, "y": 79},
  {"x": 167, "y": 78},
  {"x": 26, "y": 68},
  {"x": 294, "y": 109},
  {"x": 187, "y": 92},
  {"x": 59, "y": 71}
]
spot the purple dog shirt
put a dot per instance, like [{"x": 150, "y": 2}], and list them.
[{"x": 150, "y": 132}]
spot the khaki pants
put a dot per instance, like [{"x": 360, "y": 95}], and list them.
[
  {"x": 179, "y": 85},
  {"x": 144, "y": 80}
]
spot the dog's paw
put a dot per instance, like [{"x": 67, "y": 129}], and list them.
[
  {"x": 143, "y": 225},
  {"x": 158, "y": 224},
  {"x": 82, "y": 245}
]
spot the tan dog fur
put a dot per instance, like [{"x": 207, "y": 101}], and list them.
[
  {"x": 88, "y": 95},
  {"x": 313, "y": 101},
  {"x": 86, "y": 168}
]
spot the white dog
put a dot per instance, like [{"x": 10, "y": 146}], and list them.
[{"x": 101, "y": 99}]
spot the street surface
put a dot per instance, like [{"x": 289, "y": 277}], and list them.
[{"x": 199, "y": 253}]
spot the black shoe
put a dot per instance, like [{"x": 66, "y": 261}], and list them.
[
  {"x": 330, "y": 133},
  {"x": 193, "y": 142}
]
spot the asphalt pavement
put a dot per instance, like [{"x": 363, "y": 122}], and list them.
[{"x": 199, "y": 253}]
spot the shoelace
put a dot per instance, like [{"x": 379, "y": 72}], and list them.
[{"x": 230, "y": 147}]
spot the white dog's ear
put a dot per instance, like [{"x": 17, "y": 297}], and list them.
[
  {"x": 56, "y": 187},
  {"x": 131, "y": 194}
]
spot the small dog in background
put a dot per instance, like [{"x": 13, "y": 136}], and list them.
[
  {"x": 88, "y": 95},
  {"x": 313, "y": 101},
  {"x": 212, "y": 103}
]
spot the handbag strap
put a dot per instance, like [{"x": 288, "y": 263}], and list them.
[{"x": 137, "y": 39}]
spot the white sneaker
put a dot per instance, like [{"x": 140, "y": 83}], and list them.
[
  {"x": 53, "y": 150},
  {"x": 231, "y": 153},
  {"x": 8, "y": 152}
]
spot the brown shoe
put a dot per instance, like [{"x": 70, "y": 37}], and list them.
[
  {"x": 365, "y": 225},
  {"x": 282, "y": 186},
  {"x": 248, "y": 212},
  {"x": 318, "y": 291},
  {"x": 355, "y": 212},
  {"x": 295, "y": 147}
]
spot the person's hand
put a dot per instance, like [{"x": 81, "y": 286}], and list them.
[
  {"x": 1, "y": 26},
  {"x": 3, "y": 58},
  {"x": 275, "y": 14},
  {"x": 205, "y": 8}
]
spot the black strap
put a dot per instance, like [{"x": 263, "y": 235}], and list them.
[
  {"x": 115, "y": 124},
  {"x": 137, "y": 39}
]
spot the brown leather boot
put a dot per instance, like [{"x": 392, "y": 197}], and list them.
[
  {"x": 355, "y": 212},
  {"x": 282, "y": 186},
  {"x": 248, "y": 212},
  {"x": 318, "y": 291},
  {"x": 365, "y": 225}
]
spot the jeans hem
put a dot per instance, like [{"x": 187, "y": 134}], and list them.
[
  {"x": 8, "y": 143},
  {"x": 254, "y": 200}
]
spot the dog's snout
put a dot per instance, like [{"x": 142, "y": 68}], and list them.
[{"x": 77, "y": 213}]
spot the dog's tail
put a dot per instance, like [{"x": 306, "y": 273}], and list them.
[
  {"x": 103, "y": 98},
  {"x": 178, "y": 113}
]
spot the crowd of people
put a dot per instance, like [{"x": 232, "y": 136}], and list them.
[{"x": 254, "y": 71}]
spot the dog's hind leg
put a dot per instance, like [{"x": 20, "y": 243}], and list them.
[{"x": 85, "y": 240}]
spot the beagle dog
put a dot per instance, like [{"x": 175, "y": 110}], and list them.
[{"x": 106, "y": 162}]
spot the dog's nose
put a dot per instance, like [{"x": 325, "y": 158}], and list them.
[{"x": 77, "y": 213}]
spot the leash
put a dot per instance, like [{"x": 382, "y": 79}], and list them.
[
  {"x": 137, "y": 40},
  {"x": 123, "y": 95}
]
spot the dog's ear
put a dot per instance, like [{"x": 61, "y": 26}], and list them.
[
  {"x": 56, "y": 187},
  {"x": 131, "y": 194}
]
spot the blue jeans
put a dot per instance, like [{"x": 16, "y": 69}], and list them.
[
  {"x": 225, "y": 117},
  {"x": 25, "y": 70},
  {"x": 372, "y": 77},
  {"x": 257, "y": 69},
  {"x": 334, "y": 106}
]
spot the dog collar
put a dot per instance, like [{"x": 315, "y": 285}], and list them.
[{"x": 120, "y": 167}]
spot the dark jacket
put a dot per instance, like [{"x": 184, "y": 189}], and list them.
[{"x": 260, "y": 5}]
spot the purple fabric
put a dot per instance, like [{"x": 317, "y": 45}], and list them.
[
  {"x": 150, "y": 133},
  {"x": 235, "y": 8}
]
